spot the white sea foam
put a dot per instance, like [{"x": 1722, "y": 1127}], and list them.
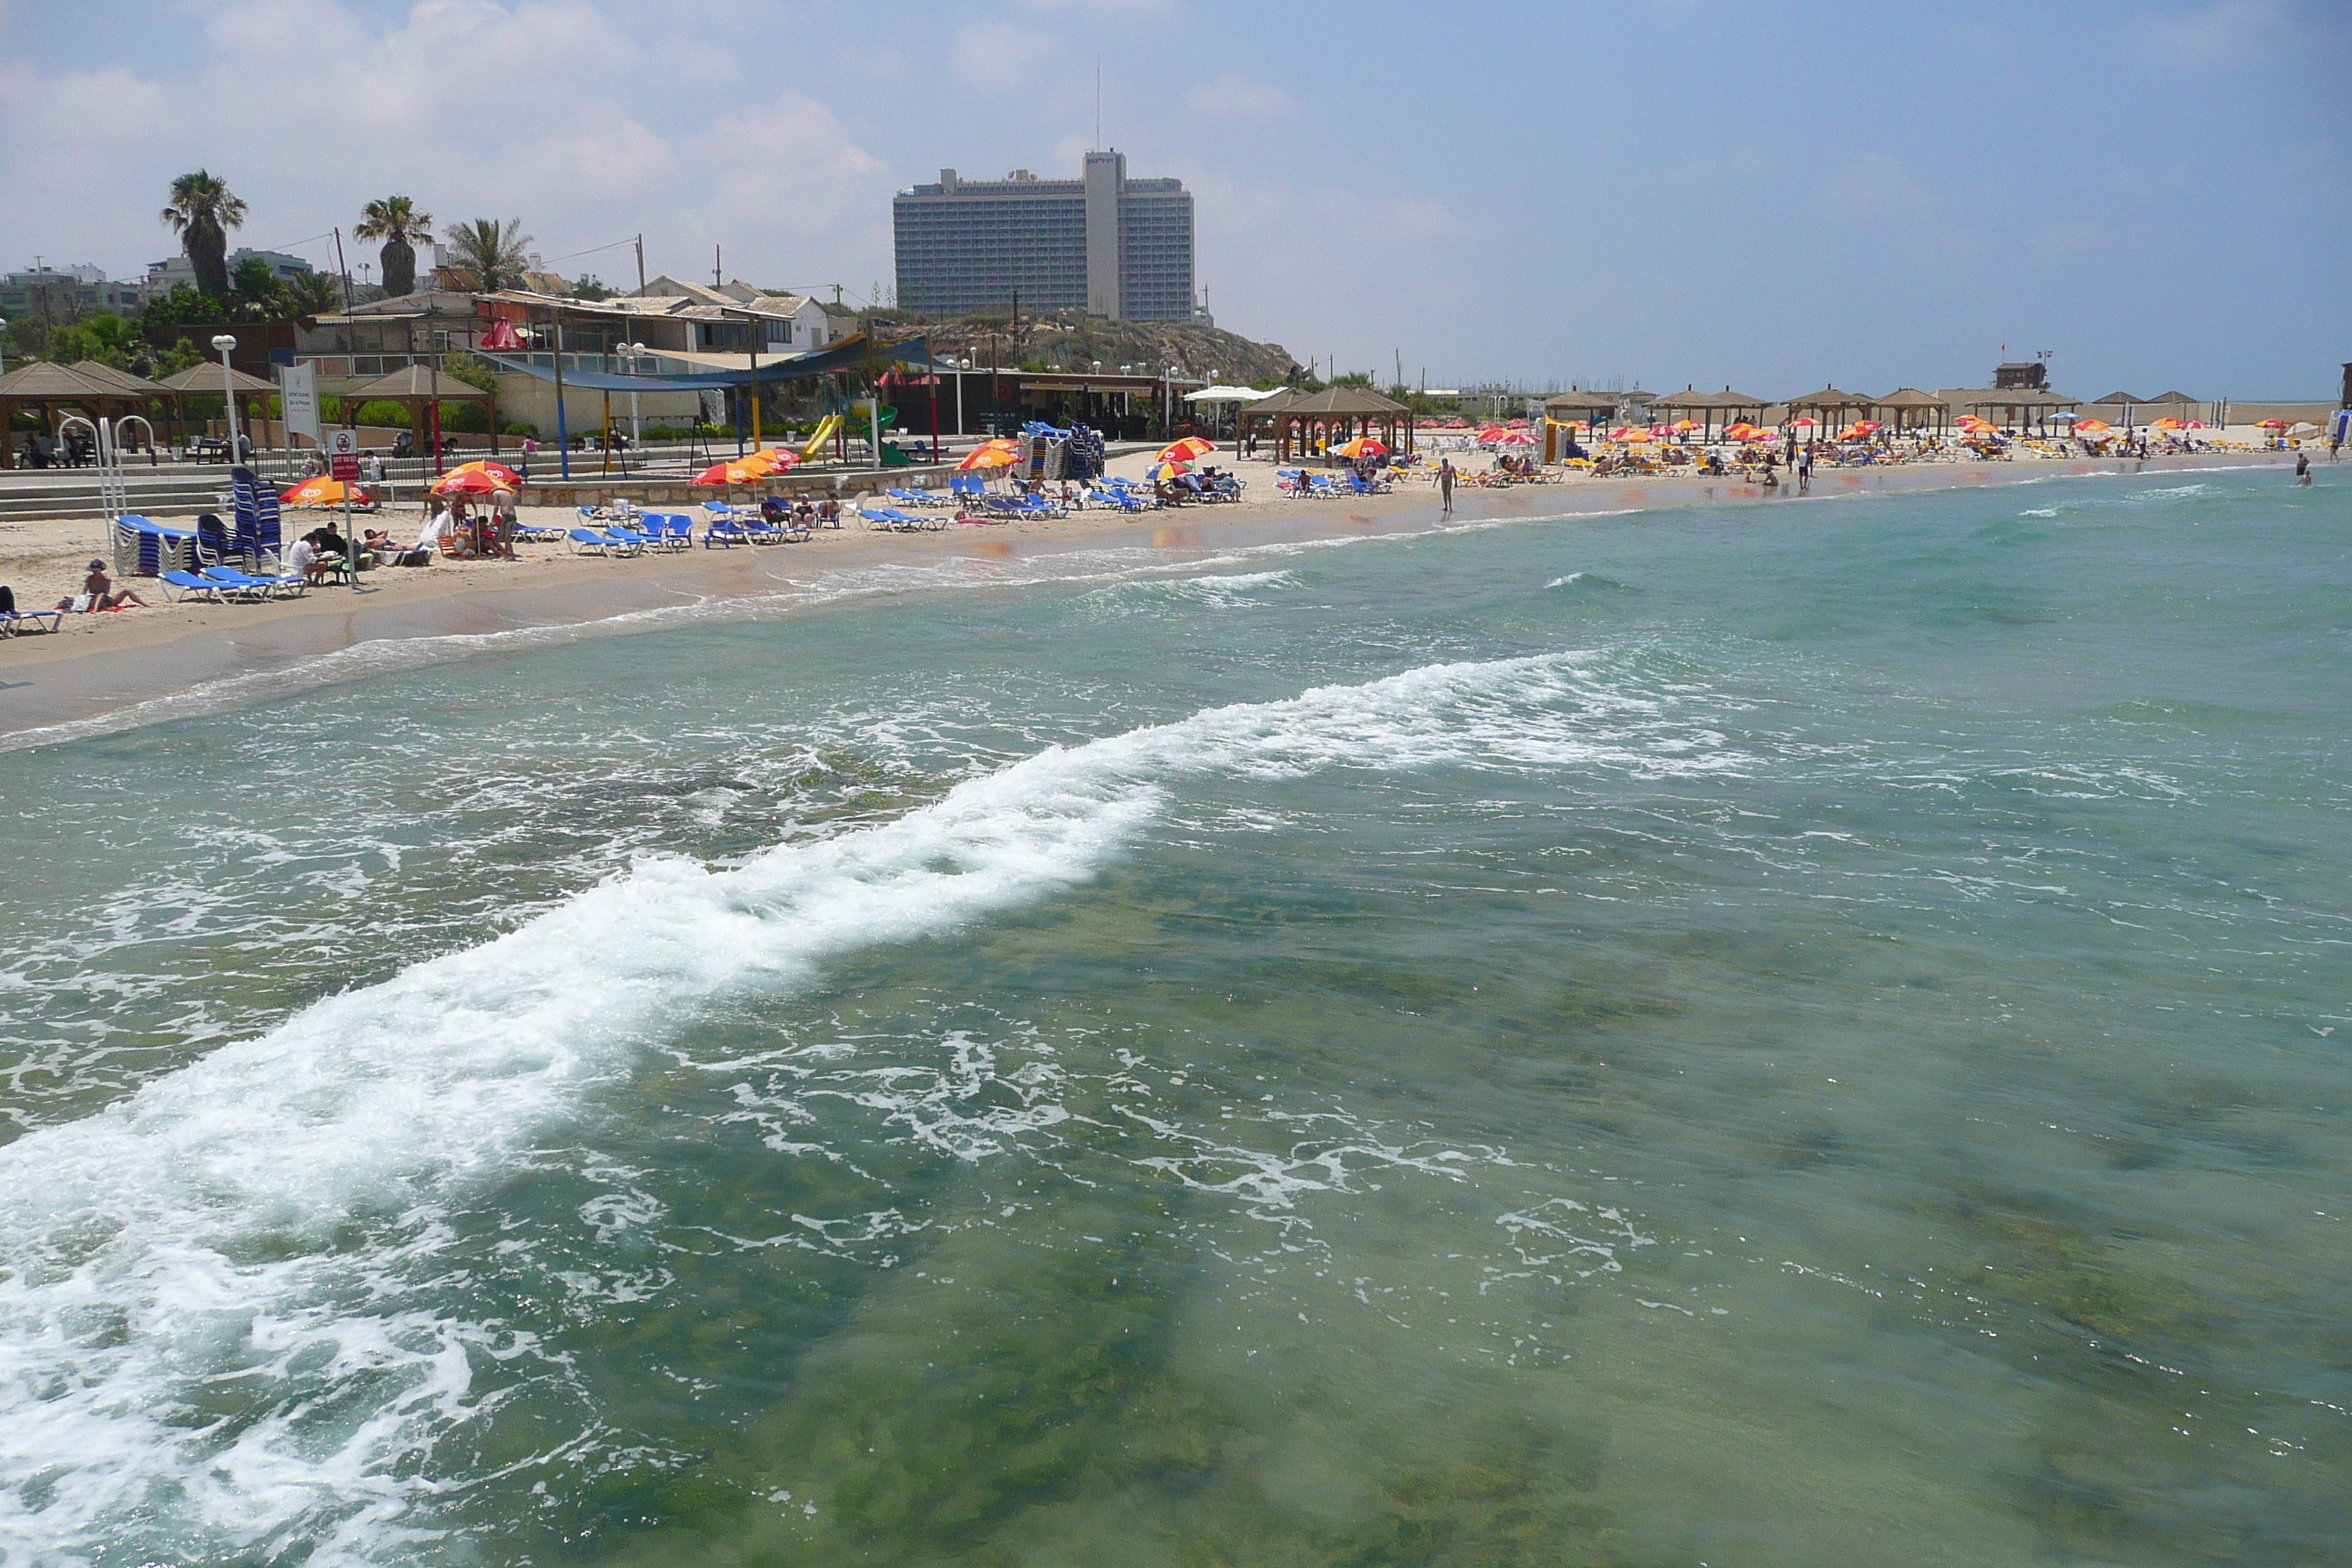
[{"x": 255, "y": 1232}]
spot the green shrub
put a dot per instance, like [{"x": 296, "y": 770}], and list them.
[{"x": 383, "y": 413}]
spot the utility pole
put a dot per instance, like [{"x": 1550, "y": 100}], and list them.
[
  {"x": 641, "y": 264},
  {"x": 716, "y": 279}
]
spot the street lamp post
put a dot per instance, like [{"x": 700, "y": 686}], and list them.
[
  {"x": 225, "y": 345},
  {"x": 3, "y": 344},
  {"x": 636, "y": 425}
]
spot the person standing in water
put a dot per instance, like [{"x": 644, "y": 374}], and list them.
[
  {"x": 1445, "y": 484},
  {"x": 2303, "y": 467}
]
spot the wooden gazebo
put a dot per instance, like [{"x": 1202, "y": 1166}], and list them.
[
  {"x": 1830, "y": 405},
  {"x": 1333, "y": 414},
  {"x": 1712, "y": 409},
  {"x": 417, "y": 386},
  {"x": 52, "y": 388},
  {"x": 1908, "y": 408},
  {"x": 2018, "y": 407},
  {"x": 205, "y": 381}
]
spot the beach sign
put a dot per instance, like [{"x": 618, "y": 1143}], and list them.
[
  {"x": 298, "y": 386},
  {"x": 343, "y": 457}
]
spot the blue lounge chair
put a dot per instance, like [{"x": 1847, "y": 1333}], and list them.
[
  {"x": 182, "y": 586},
  {"x": 589, "y": 541},
  {"x": 152, "y": 547},
  {"x": 237, "y": 582},
  {"x": 670, "y": 530},
  {"x": 13, "y": 622},
  {"x": 723, "y": 528}
]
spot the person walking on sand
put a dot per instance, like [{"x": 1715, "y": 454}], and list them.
[{"x": 1446, "y": 485}]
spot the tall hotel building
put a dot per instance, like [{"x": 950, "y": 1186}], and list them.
[{"x": 1105, "y": 244}]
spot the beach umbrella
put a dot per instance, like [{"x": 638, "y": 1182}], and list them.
[
  {"x": 473, "y": 482},
  {"x": 1744, "y": 431},
  {"x": 1867, "y": 426},
  {"x": 508, "y": 480},
  {"x": 1165, "y": 470},
  {"x": 2303, "y": 428},
  {"x": 996, "y": 454},
  {"x": 2166, "y": 424},
  {"x": 2270, "y": 425},
  {"x": 729, "y": 474},
  {"x": 1805, "y": 419},
  {"x": 1490, "y": 432},
  {"x": 1684, "y": 427},
  {"x": 1511, "y": 439},
  {"x": 1361, "y": 447},
  {"x": 1186, "y": 451},
  {"x": 767, "y": 460},
  {"x": 2092, "y": 428},
  {"x": 322, "y": 492}
]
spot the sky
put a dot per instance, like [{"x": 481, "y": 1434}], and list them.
[{"x": 1680, "y": 192}]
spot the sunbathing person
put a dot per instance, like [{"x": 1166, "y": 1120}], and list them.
[{"x": 99, "y": 593}]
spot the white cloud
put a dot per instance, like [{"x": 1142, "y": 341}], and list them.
[
  {"x": 1234, "y": 96},
  {"x": 572, "y": 130},
  {"x": 1875, "y": 184}
]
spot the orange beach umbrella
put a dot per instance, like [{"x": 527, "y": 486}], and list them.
[
  {"x": 508, "y": 480},
  {"x": 466, "y": 482},
  {"x": 742, "y": 473},
  {"x": 1188, "y": 450},
  {"x": 322, "y": 492},
  {"x": 996, "y": 454},
  {"x": 1361, "y": 447}
]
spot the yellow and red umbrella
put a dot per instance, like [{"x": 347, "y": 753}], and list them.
[
  {"x": 996, "y": 454},
  {"x": 508, "y": 478},
  {"x": 1362, "y": 447},
  {"x": 469, "y": 481},
  {"x": 1684, "y": 427},
  {"x": 323, "y": 491},
  {"x": 2092, "y": 428},
  {"x": 1743, "y": 431},
  {"x": 2270, "y": 425},
  {"x": 1188, "y": 450},
  {"x": 737, "y": 473},
  {"x": 1164, "y": 471},
  {"x": 2166, "y": 424},
  {"x": 1866, "y": 426}
]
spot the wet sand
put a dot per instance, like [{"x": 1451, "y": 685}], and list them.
[{"x": 145, "y": 660}]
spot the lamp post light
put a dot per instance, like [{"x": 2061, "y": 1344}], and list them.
[
  {"x": 3, "y": 344},
  {"x": 224, "y": 345},
  {"x": 636, "y": 425}
]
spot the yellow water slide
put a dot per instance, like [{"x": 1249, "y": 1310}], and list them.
[{"x": 825, "y": 428}]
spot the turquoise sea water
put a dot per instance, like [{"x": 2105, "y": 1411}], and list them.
[{"x": 1792, "y": 1035}]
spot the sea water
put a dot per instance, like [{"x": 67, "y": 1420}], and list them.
[{"x": 1782, "y": 1035}]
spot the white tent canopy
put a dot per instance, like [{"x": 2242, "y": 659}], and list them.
[{"x": 1225, "y": 394}]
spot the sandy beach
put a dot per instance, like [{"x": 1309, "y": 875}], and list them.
[{"x": 147, "y": 657}]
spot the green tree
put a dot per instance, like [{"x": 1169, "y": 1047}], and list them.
[
  {"x": 489, "y": 255},
  {"x": 201, "y": 211},
  {"x": 178, "y": 356},
  {"x": 591, "y": 287},
  {"x": 106, "y": 338},
  {"x": 310, "y": 294},
  {"x": 181, "y": 305},
  {"x": 396, "y": 221},
  {"x": 254, "y": 291}
]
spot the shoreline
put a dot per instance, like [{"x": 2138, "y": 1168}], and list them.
[{"x": 110, "y": 672}]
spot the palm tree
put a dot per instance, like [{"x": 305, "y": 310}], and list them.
[
  {"x": 202, "y": 212},
  {"x": 489, "y": 254},
  {"x": 396, "y": 221},
  {"x": 310, "y": 294}
]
